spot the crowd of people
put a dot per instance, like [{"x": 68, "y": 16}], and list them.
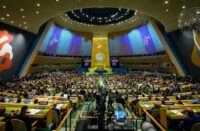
[
  {"x": 117, "y": 86},
  {"x": 137, "y": 82},
  {"x": 131, "y": 83},
  {"x": 51, "y": 84}
]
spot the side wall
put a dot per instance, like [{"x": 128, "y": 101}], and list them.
[
  {"x": 18, "y": 47},
  {"x": 184, "y": 45}
]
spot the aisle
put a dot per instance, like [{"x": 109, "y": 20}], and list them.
[
  {"x": 101, "y": 81},
  {"x": 73, "y": 117}
]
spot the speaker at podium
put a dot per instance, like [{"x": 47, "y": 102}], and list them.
[{"x": 100, "y": 70}]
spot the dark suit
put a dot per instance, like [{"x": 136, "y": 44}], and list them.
[
  {"x": 26, "y": 119},
  {"x": 187, "y": 123}
]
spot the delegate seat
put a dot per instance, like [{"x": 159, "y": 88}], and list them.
[
  {"x": 18, "y": 125},
  {"x": 196, "y": 127},
  {"x": 147, "y": 126}
]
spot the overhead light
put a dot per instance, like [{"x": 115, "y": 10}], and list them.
[
  {"x": 183, "y": 6},
  {"x": 166, "y": 2},
  {"x": 8, "y": 15},
  {"x": 198, "y": 12},
  {"x": 38, "y": 4},
  {"x": 24, "y": 22},
  {"x": 2, "y": 18},
  {"x": 23, "y": 16},
  {"x": 12, "y": 22},
  {"x": 181, "y": 14},
  {"x": 167, "y": 10},
  {"x": 20, "y": 25},
  {"x": 37, "y": 12},
  {"x": 4, "y": 6},
  {"x": 21, "y": 9},
  {"x": 57, "y": 0},
  {"x": 25, "y": 27}
]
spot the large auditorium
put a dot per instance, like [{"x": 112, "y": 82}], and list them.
[{"x": 99, "y": 65}]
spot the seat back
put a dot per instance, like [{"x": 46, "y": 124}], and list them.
[
  {"x": 156, "y": 114},
  {"x": 55, "y": 117},
  {"x": 196, "y": 127},
  {"x": 146, "y": 125},
  {"x": 18, "y": 125},
  {"x": 151, "y": 129}
]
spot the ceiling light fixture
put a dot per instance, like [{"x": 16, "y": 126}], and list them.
[
  {"x": 38, "y": 4},
  {"x": 87, "y": 15},
  {"x": 4, "y": 6},
  {"x": 166, "y": 2},
  {"x": 21, "y": 9}
]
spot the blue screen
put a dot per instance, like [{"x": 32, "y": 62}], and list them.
[
  {"x": 169, "y": 103},
  {"x": 194, "y": 101},
  {"x": 86, "y": 64},
  {"x": 114, "y": 64},
  {"x": 43, "y": 103},
  {"x": 120, "y": 115},
  {"x": 10, "y": 96},
  {"x": 27, "y": 101},
  {"x": 7, "y": 100}
]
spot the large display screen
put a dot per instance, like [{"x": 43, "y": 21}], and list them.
[
  {"x": 86, "y": 64},
  {"x": 140, "y": 41},
  {"x": 61, "y": 41},
  {"x": 186, "y": 47},
  {"x": 14, "y": 47}
]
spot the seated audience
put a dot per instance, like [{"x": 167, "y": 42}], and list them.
[
  {"x": 26, "y": 119},
  {"x": 192, "y": 119}
]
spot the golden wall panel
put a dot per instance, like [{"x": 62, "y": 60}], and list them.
[{"x": 100, "y": 53}]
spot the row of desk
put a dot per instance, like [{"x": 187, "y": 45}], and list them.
[
  {"x": 168, "y": 112},
  {"x": 37, "y": 111},
  {"x": 153, "y": 98}
]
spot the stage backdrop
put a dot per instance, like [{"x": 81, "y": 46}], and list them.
[
  {"x": 60, "y": 41},
  {"x": 139, "y": 41},
  {"x": 14, "y": 47}
]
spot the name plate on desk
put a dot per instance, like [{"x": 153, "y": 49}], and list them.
[
  {"x": 34, "y": 111},
  {"x": 177, "y": 112}
]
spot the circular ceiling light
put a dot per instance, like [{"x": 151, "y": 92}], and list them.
[{"x": 100, "y": 16}]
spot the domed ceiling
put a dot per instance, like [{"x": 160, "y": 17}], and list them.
[
  {"x": 100, "y": 16},
  {"x": 31, "y": 14}
]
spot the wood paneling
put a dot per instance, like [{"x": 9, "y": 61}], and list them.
[
  {"x": 54, "y": 60},
  {"x": 52, "y": 68},
  {"x": 152, "y": 68},
  {"x": 145, "y": 59}
]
